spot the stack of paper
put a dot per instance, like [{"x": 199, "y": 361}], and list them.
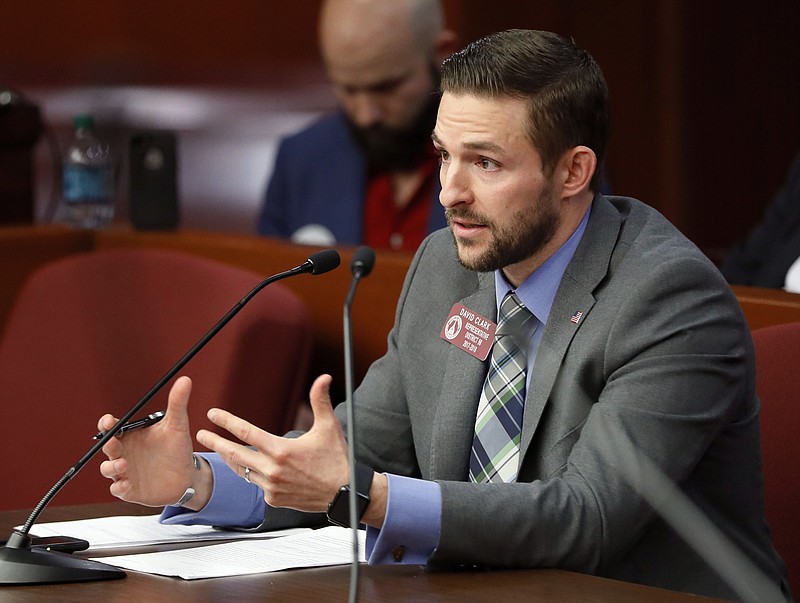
[
  {"x": 108, "y": 533},
  {"x": 252, "y": 553},
  {"x": 325, "y": 546}
]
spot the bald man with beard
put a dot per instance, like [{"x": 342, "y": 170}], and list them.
[{"x": 367, "y": 173}]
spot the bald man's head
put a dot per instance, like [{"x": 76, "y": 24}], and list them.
[
  {"x": 383, "y": 58},
  {"x": 368, "y": 26}
]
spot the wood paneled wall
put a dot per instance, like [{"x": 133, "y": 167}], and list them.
[
  {"x": 705, "y": 94},
  {"x": 225, "y": 42}
]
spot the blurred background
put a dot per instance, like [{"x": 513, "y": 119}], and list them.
[{"x": 705, "y": 95}]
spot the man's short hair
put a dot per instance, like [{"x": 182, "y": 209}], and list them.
[{"x": 565, "y": 89}]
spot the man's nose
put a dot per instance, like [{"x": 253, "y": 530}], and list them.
[
  {"x": 455, "y": 187},
  {"x": 365, "y": 110}
]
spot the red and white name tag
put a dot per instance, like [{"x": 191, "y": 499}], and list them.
[{"x": 469, "y": 331}]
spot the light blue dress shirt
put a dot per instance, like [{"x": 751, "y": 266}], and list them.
[{"x": 414, "y": 506}]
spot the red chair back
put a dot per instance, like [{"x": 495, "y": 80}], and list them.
[
  {"x": 91, "y": 333},
  {"x": 777, "y": 367}
]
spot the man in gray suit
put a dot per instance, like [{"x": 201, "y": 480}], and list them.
[{"x": 615, "y": 345}]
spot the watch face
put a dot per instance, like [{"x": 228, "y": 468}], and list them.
[{"x": 339, "y": 509}]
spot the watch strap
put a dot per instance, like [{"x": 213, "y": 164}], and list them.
[
  {"x": 364, "y": 475},
  {"x": 189, "y": 493}
]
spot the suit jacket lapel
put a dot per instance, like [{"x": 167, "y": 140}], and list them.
[
  {"x": 454, "y": 424},
  {"x": 575, "y": 295}
]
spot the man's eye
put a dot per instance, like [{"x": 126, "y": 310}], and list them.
[
  {"x": 443, "y": 155},
  {"x": 488, "y": 164}
]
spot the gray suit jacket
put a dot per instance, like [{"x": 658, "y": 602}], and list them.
[{"x": 661, "y": 358}]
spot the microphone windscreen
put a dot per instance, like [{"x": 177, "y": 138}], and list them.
[
  {"x": 324, "y": 261},
  {"x": 363, "y": 260}
]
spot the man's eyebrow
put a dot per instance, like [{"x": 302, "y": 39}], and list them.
[{"x": 478, "y": 145}]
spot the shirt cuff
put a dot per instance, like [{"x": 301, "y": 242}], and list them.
[
  {"x": 410, "y": 532},
  {"x": 233, "y": 502}
]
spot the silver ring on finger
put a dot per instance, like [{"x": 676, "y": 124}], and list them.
[{"x": 247, "y": 475}]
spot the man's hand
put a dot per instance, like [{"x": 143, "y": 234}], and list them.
[
  {"x": 303, "y": 473},
  {"x": 154, "y": 466}
]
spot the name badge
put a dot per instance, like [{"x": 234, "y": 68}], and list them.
[{"x": 469, "y": 331}]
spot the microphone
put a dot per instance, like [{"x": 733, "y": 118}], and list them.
[
  {"x": 22, "y": 564},
  {"x": 361, "y": 265}
]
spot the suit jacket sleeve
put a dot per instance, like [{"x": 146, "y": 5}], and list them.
[{"x": 319, "y": 178}]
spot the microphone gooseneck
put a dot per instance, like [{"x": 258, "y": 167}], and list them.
[
  {"x": 361, "y": 265},
  {"x": 19, "y": 564}
]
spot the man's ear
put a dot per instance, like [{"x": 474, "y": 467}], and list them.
[{"x": 577, "y": 167}]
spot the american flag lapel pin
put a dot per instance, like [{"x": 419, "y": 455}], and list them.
[{"x": 575, "y": 318}]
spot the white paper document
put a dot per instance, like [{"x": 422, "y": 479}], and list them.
[
  {"x": 127, "y": 531},
  {"x": 315, "y": 548}
]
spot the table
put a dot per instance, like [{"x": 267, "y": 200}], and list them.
[{"x": 378, "y": 583}]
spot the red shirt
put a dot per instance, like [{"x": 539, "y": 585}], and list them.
[{"x": 388, "y": 227}]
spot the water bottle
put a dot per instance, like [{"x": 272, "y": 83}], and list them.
[{"x": 88, "y": 170}]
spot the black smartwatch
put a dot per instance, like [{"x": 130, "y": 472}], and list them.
[{"x": 339, "y": 507}]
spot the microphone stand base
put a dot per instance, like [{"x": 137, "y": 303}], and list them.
[{"x": 19, "y": 566}]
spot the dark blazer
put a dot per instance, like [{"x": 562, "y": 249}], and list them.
[
  {"x": 765, "y": 256},
  {"x": 661, "y": 360},
  {"x": 320, "y": 177}
]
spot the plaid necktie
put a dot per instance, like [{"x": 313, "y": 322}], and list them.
[{"x": 498, "y": 426}]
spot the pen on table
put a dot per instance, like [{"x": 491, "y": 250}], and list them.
[{"x": 138, "y": 424}]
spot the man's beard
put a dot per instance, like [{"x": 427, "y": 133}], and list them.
[
  {"x": 392, "y": 149},
  {"x": 529, "y": 231}
]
